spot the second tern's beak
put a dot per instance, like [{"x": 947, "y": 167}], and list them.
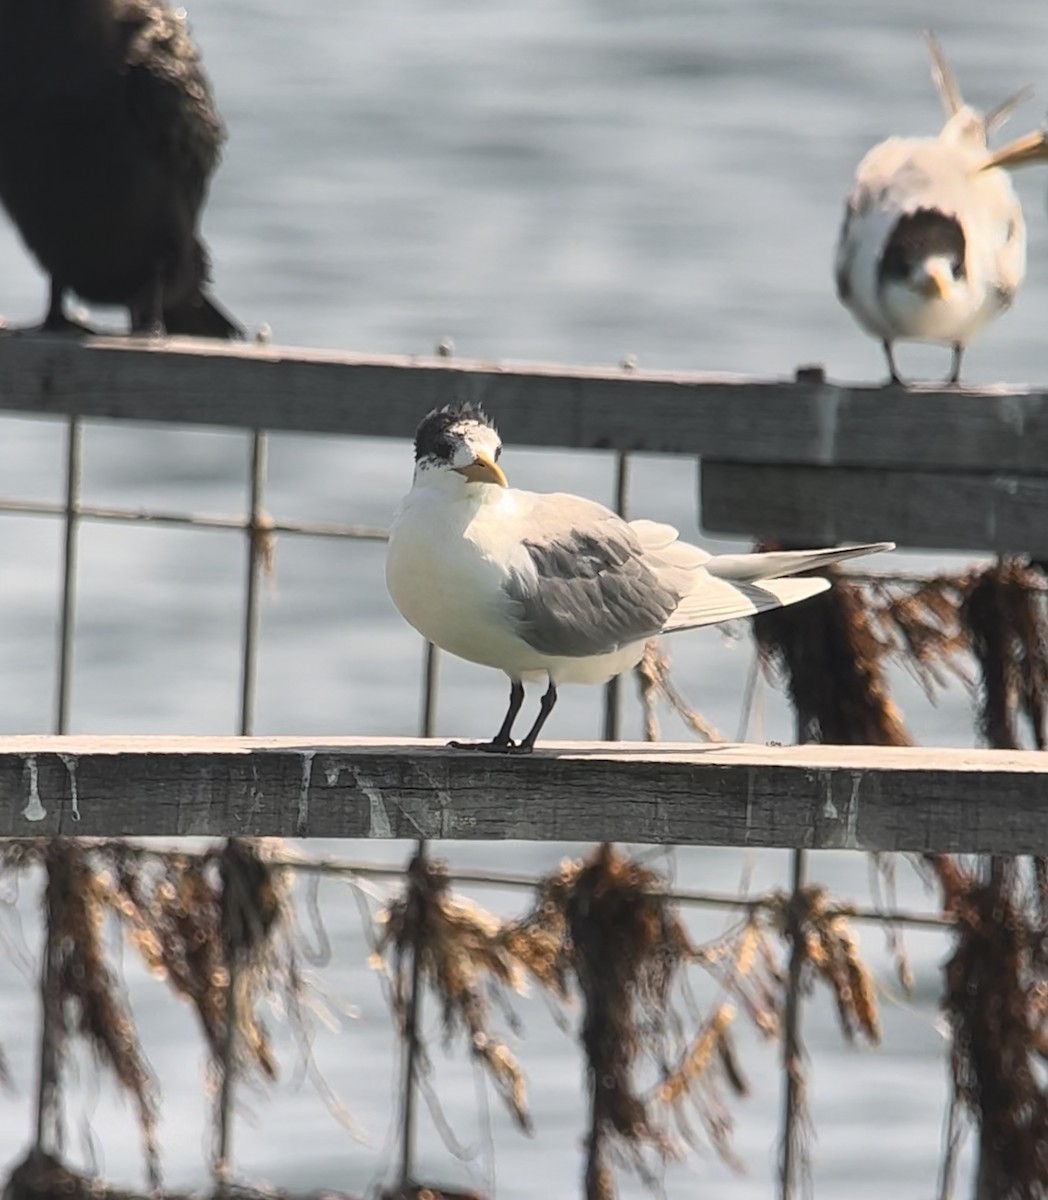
[
  {"x": 484, "y": 470},
  {"x": 937, "y": 283},
  {"x": 1030, "y": 149}
]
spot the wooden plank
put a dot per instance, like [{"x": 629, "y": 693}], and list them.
[
  {"x": 726, "y": 795},
  {"x": 1003, "y": 513},
  {"x": 717, "y": 416}
]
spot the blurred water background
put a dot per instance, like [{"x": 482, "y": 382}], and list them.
[{"x": 570, "y": 180}]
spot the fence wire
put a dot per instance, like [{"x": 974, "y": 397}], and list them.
[{"x": 258, "y": 529}]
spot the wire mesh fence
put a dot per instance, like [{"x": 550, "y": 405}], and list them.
[{"x": 257, "y": 528}]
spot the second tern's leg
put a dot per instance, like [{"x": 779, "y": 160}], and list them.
[
  {"x": 955, "y": 365},
  {"x": 894, "y": 376}
]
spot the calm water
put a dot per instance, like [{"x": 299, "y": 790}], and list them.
[{"x": 575, "y": 181}]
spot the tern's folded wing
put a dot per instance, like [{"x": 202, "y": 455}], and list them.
[{"x": 582, "y": 587}]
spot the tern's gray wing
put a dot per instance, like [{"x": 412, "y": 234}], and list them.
[{"x": 584, "y": 588}]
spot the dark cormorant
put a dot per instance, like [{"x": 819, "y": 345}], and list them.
[{"x": 108, "y": 137}]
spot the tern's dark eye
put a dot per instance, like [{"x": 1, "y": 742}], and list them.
[
  {"x": 958, "y": 270},
  {"x": 498, "y": 453}
]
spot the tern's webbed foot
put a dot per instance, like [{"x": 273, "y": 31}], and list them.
[{"x": 492, "y": 747}]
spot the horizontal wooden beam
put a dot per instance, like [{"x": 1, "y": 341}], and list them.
[
  {"x": 725, "y": 795},
  {"x": 1003, "y": 513},
  {"x": 721, "y": 417}
]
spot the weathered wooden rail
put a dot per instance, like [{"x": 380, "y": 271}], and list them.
[
  {"x": 819, "y": 797},
  {"x": 806, "y": 421},
  {"x": 953, "y": 468}
]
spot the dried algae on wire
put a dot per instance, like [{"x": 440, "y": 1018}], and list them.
[
  {"x": 461, "y": 955},
  {"x": 833, "y": 651},
  {"x": 833, "y": 662},
  {"x": 606, "y": 926},
  {"x": 188, "y": 916},
  {"x": 655, "y": 681},
  {"x": 995, "y": 1001},
  {"x": 81, "y": 995},
  {"x": 1006, "y": 619},
  {"x": 997, "y": 975}
]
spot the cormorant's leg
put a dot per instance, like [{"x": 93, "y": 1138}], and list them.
[
  {"x": 889, "y": 354},
  {"x": 955, "y": 365},
  {"x": 527, "y": 744},
  {"x": 501, "y": 743},
  {"x": 56, "y": 317},
  {"x": 148, "y": 317},
  {"x": 56, "y": 321}
]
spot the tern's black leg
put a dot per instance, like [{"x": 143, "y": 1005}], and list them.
[
  {"x": 955, "y": 365},
  {"x": 516, "y": 699},
  {"x": 545, "y": 708},
  {"x": 889, "y": 354},
  {"x": 501, "y": 743}
]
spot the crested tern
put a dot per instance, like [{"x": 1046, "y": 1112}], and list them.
[
  {"x": 933, "y": 243},
  {"x": 554, "y": 587}
]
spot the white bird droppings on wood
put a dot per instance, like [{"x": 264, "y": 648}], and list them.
[
  {"x": 34, "y": 810},
  {"x": 69, "y": 761},
  {"x": 379, "y": 818}
]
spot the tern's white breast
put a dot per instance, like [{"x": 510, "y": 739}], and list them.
[{"x": 448, "y": 582}]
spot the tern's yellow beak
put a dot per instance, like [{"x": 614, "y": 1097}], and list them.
[
  {"x": 1030, "y": 149},
  {"x": 484, "y": 470},
  {"x": 938, "y": 284}
]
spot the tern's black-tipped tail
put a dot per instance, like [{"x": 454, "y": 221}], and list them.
[{"x": 200, "y": 316}]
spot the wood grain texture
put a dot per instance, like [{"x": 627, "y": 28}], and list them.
[
  {"x": 1003, "y": 513},
  {"x": 721, "y": 417},
  {"x": 726, "y": 795}
]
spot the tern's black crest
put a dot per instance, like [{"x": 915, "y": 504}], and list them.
[
  {"x": 108, "y": 138},
  {"x": 432, "y": 438},
  {"x": 920, "y": 235}
]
